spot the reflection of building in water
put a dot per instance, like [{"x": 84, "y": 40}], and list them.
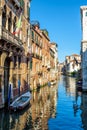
[
  {"x": 4, "y": 119},
  {"x": 19, "y": 120},
  {"x": 54, "y": 101},
  {"x": 84, "y": 110},
  {"x": 70, "y": 85},
  {"x": 43, "y": 106}
]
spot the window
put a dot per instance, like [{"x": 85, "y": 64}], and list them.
[
  {"x": 14, "y": 24},
  {"x": 27, "y": 33},
  {"x": 28, "y": 11},
  {"x": 14, "y": 80},
  {"x": 0, "y": 83},
  {"x": 10, "y": 22},
  {"x": 31, "y": 64},
  {"x": 86, "y": 14},
  {"x": 19, "y": 60},
  {"x": 4, "y": 17},
  {"x": 32, "y": 35},
  {"x": 22, "y": 4}
]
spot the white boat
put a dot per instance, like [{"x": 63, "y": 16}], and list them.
[
  {"x": 53, "y": 82},
  {"x": 21, "y": 102}
]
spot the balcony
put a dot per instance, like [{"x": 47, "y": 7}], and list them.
[
  {"x": 16, "y": 2},
  {"x": 6, "y": 35},
  {"x": 15, "y": 5}
]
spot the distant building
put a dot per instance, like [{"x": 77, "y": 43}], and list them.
[
  {"x": 54, "y": 68},
  {"x": 61, "y": 68},
  {"x": 72, "y": 63}
]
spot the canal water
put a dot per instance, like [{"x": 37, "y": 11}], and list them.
[{"x": 58, "y": 107}]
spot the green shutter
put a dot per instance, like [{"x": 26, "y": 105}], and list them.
[
  {"x": 32, "y": 35},
  {"x": 28, "y": 12},
  {"x": 22, "y": 3},
  {"x": 30, "y": 64}
]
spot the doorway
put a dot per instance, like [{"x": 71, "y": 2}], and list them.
[{"x": 6, "y": 80}]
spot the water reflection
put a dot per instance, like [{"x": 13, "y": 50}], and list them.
[
  {"x": 58, "y": 107},
  {"x": 44, "y": 106},
  {"x": 68, "y": 107},
  {"x": 70, "y": 85},
  {"x": 4, "y": 120},
  {"x": 34, "y": 117}
]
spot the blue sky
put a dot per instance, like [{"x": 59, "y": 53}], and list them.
[{"x": 63, "y": 21}]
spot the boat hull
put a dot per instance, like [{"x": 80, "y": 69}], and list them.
[{"x": 21, "y": 102}]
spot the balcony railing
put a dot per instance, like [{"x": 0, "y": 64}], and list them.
[
  {"x": 34, "y": 55},
  {"x": 17, "y": 2},
  {"x": 10, "y": 37}
]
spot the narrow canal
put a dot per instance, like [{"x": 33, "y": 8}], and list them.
[{"x": 59, "y": 107}]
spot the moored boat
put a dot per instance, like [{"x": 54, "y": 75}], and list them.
[
  {"x": 79, "y": 82},
  {"x": 79, "y": 87},
  {"x": 21, "y": 102},
  {"x": 53, "y": 82}
]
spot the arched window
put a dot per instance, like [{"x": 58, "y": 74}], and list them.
[
  {"x": 14, "y": 24},
  {"x": 9, "y": 21},
  {"x": 4, "y": 16}
]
